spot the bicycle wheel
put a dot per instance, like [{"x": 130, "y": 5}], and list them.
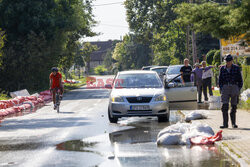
[{"x": 57, "y": 102}]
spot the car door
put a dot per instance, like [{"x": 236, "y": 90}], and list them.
[{"x": 182, "y": 96}]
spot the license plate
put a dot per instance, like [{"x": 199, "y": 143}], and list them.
[{"x": 139, "y": 108}]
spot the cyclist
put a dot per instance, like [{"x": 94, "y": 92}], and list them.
[{"x": 55, "y": 82}]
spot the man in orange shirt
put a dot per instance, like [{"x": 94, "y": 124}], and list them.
[{"x": 55, "y": 83}]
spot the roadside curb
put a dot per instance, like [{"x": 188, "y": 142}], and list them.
[{"x": 225, "y": 149}]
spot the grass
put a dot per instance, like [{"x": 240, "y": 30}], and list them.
[
  {"x": 68, "y": 86},
  {"x": 4, "y": 96},
  {"x": 230, "y": 149}
]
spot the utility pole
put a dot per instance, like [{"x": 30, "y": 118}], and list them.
[
  {"x": 187, "y": 41},
  {"x": 194, "y": 48}
]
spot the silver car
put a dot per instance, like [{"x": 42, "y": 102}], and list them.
[{"x": 137, "y": 93}]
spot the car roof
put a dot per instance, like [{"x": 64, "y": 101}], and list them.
[
  {"x": 159, "y": 67},
  {"x": 137, "y": 72},
  {"x": 175, "y": 66}
]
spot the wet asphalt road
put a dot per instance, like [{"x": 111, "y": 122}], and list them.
[{"x": 81, "y": 135}]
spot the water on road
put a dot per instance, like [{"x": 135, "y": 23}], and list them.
[{"x": 82, "y": 136}]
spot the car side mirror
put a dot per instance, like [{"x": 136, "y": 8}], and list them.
[
  {"x": 169, "y": 85},
  {"x": 108, "y": 86}
]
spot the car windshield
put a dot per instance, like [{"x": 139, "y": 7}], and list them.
[
  {"x": 159, "y": 70},
  {"x": 174, "y": 70},
  {"x": 138, "y": 80}
]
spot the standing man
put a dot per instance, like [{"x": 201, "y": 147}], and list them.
[
  {"x": 186, "y": 72},
  {"x": 206, "y": 80},
  {"x": 230, "y": 82}
]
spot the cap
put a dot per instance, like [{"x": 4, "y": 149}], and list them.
[
  {"x": 197, "y": 64},
  {"x": 228, "y": 58}
]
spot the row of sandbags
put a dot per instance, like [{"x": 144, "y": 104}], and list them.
[{"x": 22, "y": 103}]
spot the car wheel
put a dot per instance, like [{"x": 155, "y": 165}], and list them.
[
  {"x": 164, "y": 118},
  {"x": 112, "y": 119}
]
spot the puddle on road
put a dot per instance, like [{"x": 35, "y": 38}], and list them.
[
  {"x": 137, "y": 147},
  {"x": 77, "y": 145}
]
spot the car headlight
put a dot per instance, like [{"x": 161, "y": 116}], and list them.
[
  {"x": 161, "y": 98},
  {"x": 117, "y": 99}
]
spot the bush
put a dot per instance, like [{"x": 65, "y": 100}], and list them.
[
  {"x": 217, "y": 58},
  {"x": 210, "y": 56},
  {"x": 246, "y": 76},
  {"x": 100, "y": 70}
]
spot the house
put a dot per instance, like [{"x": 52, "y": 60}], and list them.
[{"x": 97, "y": 57}]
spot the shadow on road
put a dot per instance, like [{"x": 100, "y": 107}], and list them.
[
  {"x": 83, "y": 93},
  {"x": 44, "y": 123}
]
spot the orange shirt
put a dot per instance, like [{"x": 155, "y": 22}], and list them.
[{"x": 55, "y": 80}]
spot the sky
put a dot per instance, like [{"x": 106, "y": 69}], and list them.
[{"x": 111, "y": 18}]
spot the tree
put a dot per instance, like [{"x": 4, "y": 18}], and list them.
[
  {"x": 131, "y": 54},
  {"x": 210, "y": 57},
  {"x": 212, "y": 18},
  {"x": 39, "y": 35},
  {"x": 86, "y": 52}
]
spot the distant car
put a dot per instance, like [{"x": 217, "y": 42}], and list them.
[
  {"x": 137, "y": 93},
  {"x": 147, "y": 67},
  {"x": 172, "y": 72},
  {"x": 161, "y": 71}
]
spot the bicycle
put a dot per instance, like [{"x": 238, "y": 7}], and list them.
[{"x": 58, "y": 99}]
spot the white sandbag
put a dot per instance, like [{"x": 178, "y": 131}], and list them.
[
  {"x": 169, "y": 139},
  {"x": 214, "y": 102},
  {"x": 194, "y": 115},
  {"x": 245, "y": 95},
  {"x": 176, "y": 128}
]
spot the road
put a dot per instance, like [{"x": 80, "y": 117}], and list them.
[{"x": 81, "y": 135}]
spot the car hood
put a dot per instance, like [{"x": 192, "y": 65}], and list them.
[{"x": 137, "y": 92}]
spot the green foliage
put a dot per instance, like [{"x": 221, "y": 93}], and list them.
[
  {"x": 246, "y": 76},
  {"x": 108, "y": 60},
  {"x": 86, "y": 51},
  {"x": 131, "y": 54},
  {"x": 99, "y": 70},
  {"x": 220, "y": 21},
  {"x": 210, "y": 57},
  {"x": 39, "y": 35},
  {"x": 217, "y": 58}
]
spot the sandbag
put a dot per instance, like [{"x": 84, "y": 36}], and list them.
[
  {"x": 31, "y": 98},
  {"x": 46, "y": 92},
  {"x": 2, "y": 105},
  {"x": 214, "y": 102},
  {"x": 194, "y": 115},
  {"x": 169, "y": 139}
]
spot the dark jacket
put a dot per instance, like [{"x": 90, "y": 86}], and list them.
[{"x": 234, "y": 77}]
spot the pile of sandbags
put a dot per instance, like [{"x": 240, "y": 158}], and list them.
[
  {"x": 24, "y": 103},
  {"x": 182, "y": 133},
  {"x": 45, "y": 95},
  {"x": 245, "y": 95},
  {"x": 214, "y": 102}
]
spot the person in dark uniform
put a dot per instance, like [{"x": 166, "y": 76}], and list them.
[
  {"x": 186, "y": 72},
  {"x": 230, "y": 83}
]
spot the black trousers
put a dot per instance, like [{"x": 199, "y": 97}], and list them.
[{"x": 207, "y": 83}]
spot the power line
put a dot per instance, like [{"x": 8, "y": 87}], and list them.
[
  {"x": 110, "y": 25},
  {"x": 106, "y": 4}
]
